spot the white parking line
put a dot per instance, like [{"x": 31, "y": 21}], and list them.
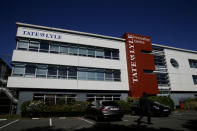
[
  {"x": 85, "y": 120},
  {"x": 3, "y": 119},
  {"x": 9, "y": 124}
]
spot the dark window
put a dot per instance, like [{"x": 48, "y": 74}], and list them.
[
  {"x": 107, "y": 53},
  {"x": 115, "y": 54},
  {"x": 116, "y": 75},
  {"x": 174, "y": 63},
  {"x": 72, "y": 72},
  {"x": 30, "y": 70},
  {"x": 44, "y": 47},
  {"x": 52, "y": 71},
  {"x": 62, "y": 72},
  {"x": 193, "y": 63},
  {"x": 100, "y": 75},
  {"x": 195, "y": 79},
  {"x": 108, "y": 75}
]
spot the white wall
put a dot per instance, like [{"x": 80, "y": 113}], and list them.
[
  {"x": 181, "y": 77},
  {"x": 59, "y": 59},
  {"x": 45, "y": 83}
]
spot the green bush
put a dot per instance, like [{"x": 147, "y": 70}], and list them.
[
  {"x": 39, "y": 109},
  {"x": 163, "y": 100},
  {"x": 126, "y": 106},
  {"x": 190, "y": 104}
]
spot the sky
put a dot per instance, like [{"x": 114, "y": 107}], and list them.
[{"x": 167, "y": 22}]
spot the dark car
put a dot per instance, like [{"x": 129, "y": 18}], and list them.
[
  {"x": 100, "y": 110},
  {"x": 157, "y": 109}
]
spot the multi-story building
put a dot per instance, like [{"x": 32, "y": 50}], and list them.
[{"x": 58, "y": 66}]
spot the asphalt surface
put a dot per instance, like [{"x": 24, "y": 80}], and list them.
[{"x": 179, "y": 121}]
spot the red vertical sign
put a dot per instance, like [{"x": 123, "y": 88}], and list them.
[{"x": 139, "y": 62}]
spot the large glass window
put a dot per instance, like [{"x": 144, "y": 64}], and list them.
[
  {"x": 34, "y": 46},
  {"x": 72, "y": 72},
  {"x": 64, "y": 50},
  {"x": 62, "y": 72},
  {"x": 82, "y": 73},
  {"x": 82, "y": 51},
  {"x": 99, "y": 53},
  {"x": 44, "y": 47},
  {"x": 52, "y": 72},
  {"x": 30, "y": 70},
  {"x": 54, "y": 48},
  {"x": 19, "y": 70},
  {"x": 73, "y": 50},
  {"x": 41, "y": 71},
  {"x": 23, "y": 45},
  {"x": 195, "y": 79},
  {"x": 91, "y": 52},
  {"x": 193, "y": 63}
]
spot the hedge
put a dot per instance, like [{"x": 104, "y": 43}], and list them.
[
  {"x": 190, "y": 104},
  {"x": 39, "y": 109}
]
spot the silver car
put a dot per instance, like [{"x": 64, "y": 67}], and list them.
[{"x": 100, "y": 110}]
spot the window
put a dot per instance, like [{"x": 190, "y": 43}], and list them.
[
  {"x": 73, "y": 50},
  {"x": 22, "y": 45},
  {"x": 72, "y": 72},
  {"x": 193, "y": 63},
  {"x": 99, "y": 53},
  {"x": 52, "y": 72},
  {"x": 82, "y": 73},
  {"x": 107, "y": 53},
  {"x": 100, "y": 75},
  {"x": 116, "y": 75},
  {"x": 91, "y": 52},
  {"x": 62, "y": 72},
  {"x": 19, "y": 70},
  {"x": 91, "y": 75},
  {"x": 64, "y": 50},
  {"x": 162, "y": 79},
  {"x": 41, "y": 71},
  {"x": 108, "y": 75},
  {"x": 82, "y": 51},
  {"x": 115, "y": 54},
  {"x": 44, "y": 47},
  {"x": 30, "y": 70},
  {"x": 174, "y": 63},
  {"x": 34, "y": 46},
  {"x": 54, "y": 48},
  {"x": 195, "y": 79}
]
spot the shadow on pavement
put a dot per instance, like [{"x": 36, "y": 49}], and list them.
[
  {"x": 191, "y": 124},
  {"x": 47, "y": 128},
  {"x": 108, "y": 126}
]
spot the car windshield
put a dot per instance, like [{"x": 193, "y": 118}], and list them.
[{"x": 109, "y": 103}]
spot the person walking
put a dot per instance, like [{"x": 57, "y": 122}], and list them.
[{"x": 145, "y": 108}]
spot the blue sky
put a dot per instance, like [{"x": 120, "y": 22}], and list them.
[{"x": 167, "y": 22}]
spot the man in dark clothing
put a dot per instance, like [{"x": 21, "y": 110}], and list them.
[{"x": 145, "y": 107}]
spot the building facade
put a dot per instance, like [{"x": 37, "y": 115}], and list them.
[{"x": 59, "y": 66}]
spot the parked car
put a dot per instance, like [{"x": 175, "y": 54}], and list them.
[
  {"x": 157, "y": 109},
  {"x": 101, "y": 110}
]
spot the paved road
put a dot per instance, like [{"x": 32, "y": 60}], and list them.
[{"x": 177, "y": 121}]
